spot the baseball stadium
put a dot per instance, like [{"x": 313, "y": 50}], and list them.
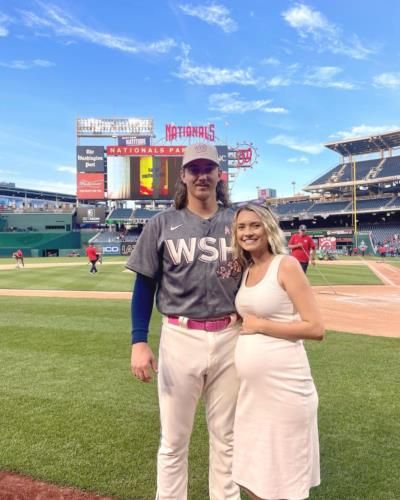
[{"x": 76, "y": 425}]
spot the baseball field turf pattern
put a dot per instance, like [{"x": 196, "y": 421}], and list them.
[{"x": 72, "y": 414}]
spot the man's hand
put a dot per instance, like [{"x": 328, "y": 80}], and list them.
[
  {"x": 143, "y": 362},
  {"x": 313, "y": 262}
]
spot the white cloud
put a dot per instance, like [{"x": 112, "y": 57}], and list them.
[
  {"x": 19, "y": 64},
  {"x": 61, "y": 23},
  {"x": 231, "y": 103},
  {"x": 210, "y": 75},
  {"x": 388, "y": 80},
  {"x": 278, "y": 81},
  {"x": 293, "y": 143},
  {"x": 364, "y": 131},
  {"x": 66, "y": 168},
  {"x": 310, "y": 23},
  {"x": 6, "y": 172},
  {"x": 4, "y": 21},
  {"x": 323, "y": 76},
  {"x": 300, "y": 159},
  {"x": 271, "y": 61},
  {"x": 211, "y": 14}
]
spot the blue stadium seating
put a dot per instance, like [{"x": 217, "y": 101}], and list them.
[
  {"x": 121, "y": 214},
  {"x": 344, "y": 172},
  {"x": 391, "y": 167},
  {"x": 375, "y": 203},
  {"x": 144, "y": 213},
  {"x": 395, "y": 202},
  {"x": 382, "y": 232},
  {"x": 293, "y": 207},
  {"x": 331, "y": 206}
]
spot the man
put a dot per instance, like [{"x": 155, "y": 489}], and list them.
[
  {"x": 184, "y": 256},
  {"x": 302, "y": 247},
  {"x": 19, "y": 258},
  {"x": 92, "y": 255}
]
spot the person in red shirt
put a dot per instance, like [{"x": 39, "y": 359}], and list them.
[
  {"x": 19, "y": 258},
  {"x": 92, "y": 255},
  {"x": 302, "y": 247}
]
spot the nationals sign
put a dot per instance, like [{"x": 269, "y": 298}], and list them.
[
  {"x": 173, "y": 132},
  {"x": 145, "y": 150}
]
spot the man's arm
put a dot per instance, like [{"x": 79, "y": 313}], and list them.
[{"x": 143, "y": 360}]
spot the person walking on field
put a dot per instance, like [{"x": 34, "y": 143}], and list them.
[
  {"x": 19, "y": 258},
  {"x": 276, "y": 448},
  {"x": 184, "y": 257},
  {"x": 302, "y": 247},
  {"x": 93, "y": 256}
]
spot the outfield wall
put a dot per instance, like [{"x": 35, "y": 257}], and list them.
[
  {"x": 55, "y": 222},
  {"x": 39, "y": 244}
]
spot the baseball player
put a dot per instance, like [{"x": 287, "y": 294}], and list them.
[
  {"x": 184, "y": 257},
  {"x": 302, "y": 247}
]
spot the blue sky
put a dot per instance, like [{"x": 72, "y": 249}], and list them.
[{"x": 286, "y": 76}]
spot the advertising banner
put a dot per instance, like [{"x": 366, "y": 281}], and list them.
[
  {"x": 111, "y": 249},
  {"x": 174, "y": 132},
  {"x": 90, "y": 186},
  {"x": 145, "y": 150},
  {"x": 127, "y": 248},
  {"x": 90, "y": 158},
  {"x": 133, "y": 141},
  {"x": 90, "y": 215},
  {"x": 328, "y": 243}
]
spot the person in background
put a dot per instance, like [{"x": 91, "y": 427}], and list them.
[
  {"x": 19, "y": 258},
  {"x": 276, "y": 445},
  {"x": 92, "y": 255},
  {"x": 302, "y": 247}
]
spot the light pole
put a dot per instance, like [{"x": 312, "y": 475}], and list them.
[{"x": 294, "y": 187}]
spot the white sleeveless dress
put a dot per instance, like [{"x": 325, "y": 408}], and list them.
[{"x": 276, "y": 449}]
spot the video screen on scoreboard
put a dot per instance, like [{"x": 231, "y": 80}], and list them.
[
  {"x": 119, "y": 178},
  {"x": 142, "y": 177}
]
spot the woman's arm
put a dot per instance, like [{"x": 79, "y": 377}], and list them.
[{"x": 292, "y": 279}]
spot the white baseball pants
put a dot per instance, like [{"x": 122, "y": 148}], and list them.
[{"x": 195, "y": 363}]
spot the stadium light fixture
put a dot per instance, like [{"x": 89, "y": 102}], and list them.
[{"x": 109, "y": 127}]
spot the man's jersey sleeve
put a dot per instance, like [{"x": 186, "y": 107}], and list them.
[{"x": 145, "y": 258}]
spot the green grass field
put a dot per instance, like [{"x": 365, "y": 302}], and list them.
[
  {"x": 72, "y": 414},
  {"x": 111, "y": 277}
]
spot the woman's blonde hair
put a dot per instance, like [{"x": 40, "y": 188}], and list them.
[
  {"x": 275, "y": 236},
  {"x": 180, "y": 198}
]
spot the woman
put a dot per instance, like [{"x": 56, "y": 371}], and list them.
[{"x": 276, "y": 451}]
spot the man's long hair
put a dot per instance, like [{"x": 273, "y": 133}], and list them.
[{"x": 180, "y": 198}]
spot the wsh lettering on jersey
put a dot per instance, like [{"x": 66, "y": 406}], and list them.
[{"x": 206, "y": 249}]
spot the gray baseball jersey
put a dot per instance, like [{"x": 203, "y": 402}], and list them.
[{"x": 191, "y": 259}]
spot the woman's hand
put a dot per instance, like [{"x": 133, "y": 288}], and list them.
[{"x": 250, "y": 325}]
